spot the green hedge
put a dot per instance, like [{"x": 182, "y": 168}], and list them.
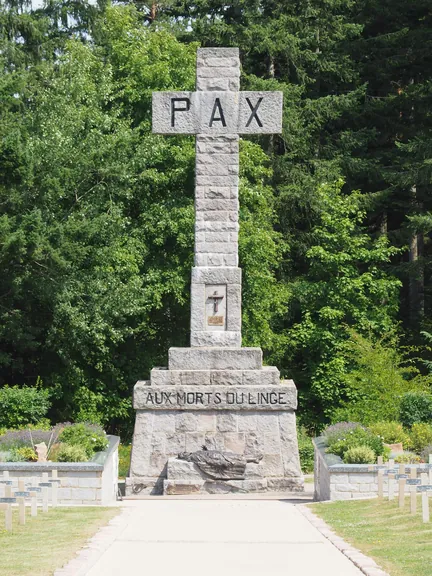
[
  {"x": 22, "y": 405},
  {"x": 416, "y": 407}
]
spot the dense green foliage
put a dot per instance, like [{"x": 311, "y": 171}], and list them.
[
  {"x": 65, "y": 442},
  {"x": 379, "y": 380},
  {"x": 22, "y": 406},
  {"x": 360, "y": 455},
  {"x": 416, "y": 407},
  {"x": 359, "y": 436},
  {"x": 306, "y": 451},
  {"x": 96, "y": 213},
  {"x": 124, "y": 460},
  {"x": 344, "y": 438},
  {"x": 421, "y": 436},
  {"x": 90, "y": 438},
  {"x": 70, "y": 453},
  {"x": 391, "y": 432}
]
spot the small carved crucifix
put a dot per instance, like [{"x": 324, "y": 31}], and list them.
[{"x": 216, "y": 299}]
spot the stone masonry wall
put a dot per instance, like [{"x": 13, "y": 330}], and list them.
[
  {"x": 160, "y": 435},
  {"x": 90, "y": 483},
  {"x": 335, "y": 480},
  {"x": 216, "y": 201},
  {"x": 74, "y": 487}
]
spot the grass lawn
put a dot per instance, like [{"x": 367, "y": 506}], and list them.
[
  {"x": 400, "y": 543},
  {"x": 48, "y": 541}
]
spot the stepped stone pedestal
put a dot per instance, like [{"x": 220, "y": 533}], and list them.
[
  {"x": 226, "y": 401},
  {"x": 215, "y": 395}
]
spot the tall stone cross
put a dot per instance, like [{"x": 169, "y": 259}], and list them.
[
  {"x": 215, "y": 394},
  {"x": 217, "y": 113}
]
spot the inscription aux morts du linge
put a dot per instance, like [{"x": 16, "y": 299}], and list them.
[{"x": 215, "y": 397}]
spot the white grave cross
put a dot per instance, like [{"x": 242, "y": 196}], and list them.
[{"x": 217, "y": 113}]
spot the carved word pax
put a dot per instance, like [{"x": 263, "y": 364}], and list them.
[{"x": 217, "y": 112}]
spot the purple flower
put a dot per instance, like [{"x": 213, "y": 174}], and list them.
[
  {"x": 340, "y": 430},
  {"x": 28, "y": 437}
]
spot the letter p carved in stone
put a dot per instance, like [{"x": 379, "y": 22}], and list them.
[{"x": 175, "y": 107}]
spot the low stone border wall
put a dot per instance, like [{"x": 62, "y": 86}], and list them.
[
  {"x": 335, "y": 480},
  {"x": 368, "y": 566},
  {"x": 92, "y": 483}
]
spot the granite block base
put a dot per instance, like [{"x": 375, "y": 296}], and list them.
[{"x": 217, "y": 401}]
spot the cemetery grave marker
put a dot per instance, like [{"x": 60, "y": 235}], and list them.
[
  {"x": 424, "y": 489},
  {"x": 430, "y": 468},
  {"x": 45, "y": 486},
  {"x": 34, "y": 491},
  {"x": 412, "y": 481},
  {"x": 402, "y": 477},
  {"x": 21, "y": 496},
  {"x": 24, "y": 492},
  {"x": 6, "y": 505},
  {"x": 380, "y": 484},
  {"x": 390, "y": 473}
]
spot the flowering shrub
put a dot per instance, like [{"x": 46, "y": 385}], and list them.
[
  {"x": 359, "y": 455},
  {"x": 29, "y": 437},
  {"x": 391, "y": 433},
  {"x": 23, "y": 454},
  {"x": 353, "y": 438},
  {"x": 70, "y": 453},
  {"x": 339, "y": 430},
  {"x": 408, "y": 458},
  {"x": 14, "y": 439},
  {"x": 19, "y": 445},
  {"x": 90, "y": 437},
  {"x": 421, "y": 436}
]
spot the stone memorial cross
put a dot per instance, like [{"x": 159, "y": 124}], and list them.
[
  {"x": 217, "y": 113},
  {"x": 215, "y": 394}
]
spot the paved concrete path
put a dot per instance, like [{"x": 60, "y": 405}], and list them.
[{"x": 217, "y": 538}]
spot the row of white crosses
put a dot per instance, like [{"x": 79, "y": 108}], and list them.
[
  {"x": 398, "y": 475},
  {"x": 27, "y": 493}
]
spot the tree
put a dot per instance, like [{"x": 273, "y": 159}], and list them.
[
  {"x": 344, "y": 286},
  {"x": 96, "y": 232},
  {"x": 96, "y": 222},
  {"x": 381, "y": 374},
  {"x": 394, "y": 57},
  {"x": 93, "y": 204}
]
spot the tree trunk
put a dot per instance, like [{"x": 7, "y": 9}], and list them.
[
  {"x": 318, "y": 89},
  {"x": 384, "y": 224},
  {"x": 153, "y": 11},
  {"x": 416, "y": 273}
]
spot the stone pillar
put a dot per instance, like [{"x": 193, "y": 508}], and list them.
[{"x": 216, "y": 271}]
